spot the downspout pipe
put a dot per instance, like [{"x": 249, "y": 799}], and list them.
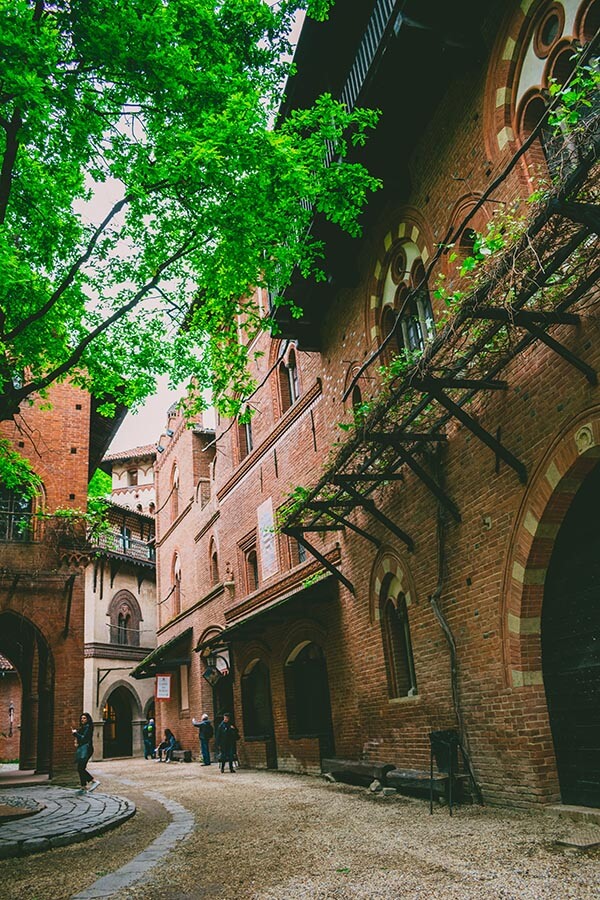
[{"x": 434, "y": 600}]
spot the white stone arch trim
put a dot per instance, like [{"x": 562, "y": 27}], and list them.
[
  {"x": 388, "y": 562},
  {"x": 553, "y": 484}
]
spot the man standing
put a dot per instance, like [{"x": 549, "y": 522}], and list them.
[
  {"x": 227, "y": 737},
  {"x": 149, "y": 739},
  {"x": 205, "y": 732}
]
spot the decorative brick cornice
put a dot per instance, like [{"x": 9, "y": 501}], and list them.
[
  {"x": 115, "y": 651},
  {"x": 207, "y": 526},
  {"x": 215, "y": 591},
  {"x": 286, "y": 421},
  {"x": 293, "y": 579}
]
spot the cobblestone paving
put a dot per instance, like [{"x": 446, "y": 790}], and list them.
[{"x": 64, "y": 818}]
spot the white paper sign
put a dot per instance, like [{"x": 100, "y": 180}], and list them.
[
  {"x": 163, "y": 687},
  {"x": 266, "y": 536}
]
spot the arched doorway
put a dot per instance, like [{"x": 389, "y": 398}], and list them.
[
  {"x": 117, "y": 737},
  {"x": 29, "y": 654},
  {"x": 570, "y": 633},
  {"x": 257, "y": 708},
  {"x": 11, "y": 693},
  {"x": 307, "y": 696}
]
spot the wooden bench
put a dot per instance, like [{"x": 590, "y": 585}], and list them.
[
  {"x": 421, "y": 780},
  {"x": 181, "y": 755},
  {"x": 418, "y": 780},
  {"x": 355, "y": 771}
]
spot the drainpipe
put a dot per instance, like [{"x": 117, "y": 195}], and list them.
[{"x": 434, "y": 600}]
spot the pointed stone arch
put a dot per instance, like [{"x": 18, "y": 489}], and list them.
[{"x": 556, "y": 480}]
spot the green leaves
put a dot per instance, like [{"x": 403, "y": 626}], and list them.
[{"x": 144, "y": 196}]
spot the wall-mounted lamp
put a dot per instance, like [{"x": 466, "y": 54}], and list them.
[
  {"x": 169, "y": 432},
  {"x": 160, "y": 449}
]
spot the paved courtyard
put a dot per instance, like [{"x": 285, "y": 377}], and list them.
[{"x": 273, "y": 836}]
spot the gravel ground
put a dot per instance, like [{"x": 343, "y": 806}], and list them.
[{"x": 273, "y": 836}]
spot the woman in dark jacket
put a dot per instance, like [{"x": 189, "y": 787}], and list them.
[
  {"x": 83, "y": 741},
  {"x": 225, "y": 740},
  {"x": 167, "y": 746}
]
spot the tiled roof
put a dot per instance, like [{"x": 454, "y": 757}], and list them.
[{"x": 135, "y": 453}]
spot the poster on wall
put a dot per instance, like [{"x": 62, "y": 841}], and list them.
[
  {"x": 163, "y": 687},
  {"x": 266, "y": 536}
]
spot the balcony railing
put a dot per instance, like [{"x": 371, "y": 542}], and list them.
[
  {"x": 380, "y": 21},
  {"x": 123, "y": 545}
]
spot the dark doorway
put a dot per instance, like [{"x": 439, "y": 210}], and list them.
[
  {"x": 307, "y": 697},
  {"x": 571, "y": 646},
  {"x": 117, "y": 733},
  {"x": 26, "y": 648},
  {"x": 257, "y": 708},
  {"x": 223, "y": 698}
]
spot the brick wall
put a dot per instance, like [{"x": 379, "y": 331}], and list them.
[{"x": 501, "y": 696}]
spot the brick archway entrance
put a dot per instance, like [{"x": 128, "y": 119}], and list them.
[
  {"x": 560, "y": 475},
  {"x": 28, "y": 651},
  {"x": 570, "y": 638}
]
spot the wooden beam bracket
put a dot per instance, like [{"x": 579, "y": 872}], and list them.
[
  {"x": 474, "y": 427},
  {"x": 370, "y": 507},
  {"x": 298, "y": 533}
]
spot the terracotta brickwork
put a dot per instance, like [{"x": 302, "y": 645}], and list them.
[
  {"x": 42, "y": 579},
  {"x": 490, "y": 581}
]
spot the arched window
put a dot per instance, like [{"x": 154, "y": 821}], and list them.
[
  {"x": 245, "y": 440},
  {"x": 356, "y": 398},
  {"x": 289, "y": 381},
  {"x": 125, "y": 617},
  {"x": 252, "y": 580},
  {"x": 123, "y": 623},
  {"x": 397, "y": 644},
  {"x": 256, "y": 701},
  {"x": 406, "y": 310},
  {"x": 214, "y": 562},
  {"x": 16, "y": 513},
  {"x": 176, "y": 585},
  {"x": 174, "y": 494}
]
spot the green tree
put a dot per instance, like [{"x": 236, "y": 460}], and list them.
[{"x": 166, "y": 107}]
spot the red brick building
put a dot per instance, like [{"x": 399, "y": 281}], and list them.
[
  {"x": 453, "y": 582},
  {"x": 42, "y": 564}
]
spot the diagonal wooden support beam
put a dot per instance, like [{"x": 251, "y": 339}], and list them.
[
  {"x": 320, "y": 528},
  {"x": 429, "y": 482},
  {"x": 298, "y": 533},
  {"x": 383, "y": 476},
  {"x": 405, "y": 437},
  {"x": 470, "y": 384},
  {"x": 420, "y": 472},
  {"x": 524, "y": 317},
  {"x": 370, "y": 507},
  {"x": 484, "y": 436},
  {"x": 583, "y": 213},
  {"x": 566, "y": 354},
  {"x": 318, "y": 505}
]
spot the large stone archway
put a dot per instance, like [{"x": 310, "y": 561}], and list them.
[
  {"x": 561, "y": 473},
  {"x": 30, "y": 654}
]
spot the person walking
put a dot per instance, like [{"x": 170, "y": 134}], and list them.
[
  {"x": 149, "y": 732},
  {"x": 84, "y": 748},
  {"x": 205, "y": 732},
  {"x": 166, "y": 746},
  {"x": 226, "y": 738}
]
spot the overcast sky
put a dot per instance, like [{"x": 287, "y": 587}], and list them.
[{"x": 146, "y": 426}]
